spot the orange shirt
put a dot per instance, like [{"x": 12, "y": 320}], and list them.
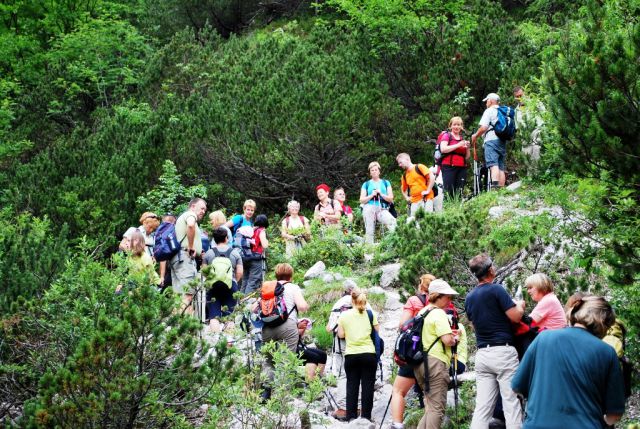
[{"x": 416, "y": 182}]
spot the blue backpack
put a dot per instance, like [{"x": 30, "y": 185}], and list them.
[
  {"x": 505, "y": 127},
  {"x": 244, "y": 244},
  {"x": 166, "y": 244}
]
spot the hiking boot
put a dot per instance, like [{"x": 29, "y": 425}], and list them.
[{"x": 339, "y": 414}]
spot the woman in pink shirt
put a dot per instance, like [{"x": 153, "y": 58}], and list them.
[
  {"x": 405, "y": 378},
  {"x": 548, "y": 313}
]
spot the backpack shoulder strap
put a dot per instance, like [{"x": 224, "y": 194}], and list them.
[
  {"x": 370, "y": 314},
  {"x": 227, "y": 253},
  {"x": 423, "y": 299},
  {"x": 216, "y": 252}
]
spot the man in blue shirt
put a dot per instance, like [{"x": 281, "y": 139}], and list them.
[{"x": 491, "y": 311}]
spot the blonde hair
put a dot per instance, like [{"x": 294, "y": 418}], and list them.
[
  {"x": 403, "y": 156},
  {"x": 137, "y": 243},
  {"x": 217, "y": 218},
  {"x": 425, "y": 281},
  {"x": 456, "y": 118},
  {"x": 594, "y": 313},
  {"x": 249, "y": 203},
  {"x": 374, "y": 164},
  {"x": 359, "y": 299},
  {"x": 541, "y": 282},
  {"x": 284, "y": 271}
]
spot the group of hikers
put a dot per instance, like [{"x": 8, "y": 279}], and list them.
[{"x": 567, "y": 376}]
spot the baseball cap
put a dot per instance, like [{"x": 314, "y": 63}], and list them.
[
  {"x": 442, "y": 287},
  {"x": 492, "y": 96}
]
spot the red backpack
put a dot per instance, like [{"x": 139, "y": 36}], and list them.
[
  {"x": 273, "y": 308},
  {"x": 256, "y": 247}
]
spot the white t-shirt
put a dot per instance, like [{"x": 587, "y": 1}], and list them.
[
  {"x": 489, "y": 119},
  {"x": 290, "y": 290}
]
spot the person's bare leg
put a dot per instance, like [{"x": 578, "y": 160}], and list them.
[{"x": 401, "y": 386}]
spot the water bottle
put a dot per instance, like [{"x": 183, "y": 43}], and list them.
[{"x": 416, "y": 340}]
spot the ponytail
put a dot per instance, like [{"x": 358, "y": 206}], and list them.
[{"x": 359, "y": 299}]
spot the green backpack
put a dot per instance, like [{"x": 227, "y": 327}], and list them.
[{"x": 221, "y": 270}]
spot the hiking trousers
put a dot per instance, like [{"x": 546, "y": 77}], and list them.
[
  {"x": 427, "y": 206},
  {"x": 435, "y": 400},
  {"x": 374, "y": 213},
  {"x": 285, "y": 334},
  {"x": 361, "y": 372},
  {"x": 495, "y": 367}
]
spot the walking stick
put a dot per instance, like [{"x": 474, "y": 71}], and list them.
[
  {"x": 454, "y": 350},
  {"x": 385, "y": 411},
  {"x": 476, "y": 172}
]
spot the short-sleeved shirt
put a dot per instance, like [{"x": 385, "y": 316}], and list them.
[
  {"x": 371, "y": 185},
  {"x": 143, "y": 264},
  {"x": 457, "y": 157},
  {"x": 489, "y": 119},
  {"x": 331, "y": 207},
  {"x": 436, "y": 324},
  {"x": 571, "y": 379},
  {"x": 149, "y": 240},
  {"x": 486, "y": 307},
  {"x": 234, "y": 256},
  {"x": 290, "y": 291},
  {"x": 549, "y": 313},
  {"x": 181, "y": 232},
  {"x": 416, "y": 182},
  {"x": 240, "y": 221},
  {"x": 357, "y": 329},
  {"x": 415, "y": 304}
]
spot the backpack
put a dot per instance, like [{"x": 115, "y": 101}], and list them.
[
  {"x": 408, "y": 350},
  {"x": 256, "y": 248},
  {"x": 243, "y": 243},
  {"x": 273, "y": 309},
  {"x": 166, "y": 244},
  {"x": 330, "y": 205},
  {"x": 221, "y": 268},
  {"x": 378, "y": 342},
  {"x": 417, "y": 166},
  {"x": 438, "y": 156},
  {"x": 505, "y": 126}
]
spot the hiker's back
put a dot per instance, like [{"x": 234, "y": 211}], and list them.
[{"x": 486, "y": 306}]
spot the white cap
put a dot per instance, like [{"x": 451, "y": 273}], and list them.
[
  {"x": 492, "y": 96},
  {"x": 442, "y": 287},
  {"x": 129, "y": 232}
]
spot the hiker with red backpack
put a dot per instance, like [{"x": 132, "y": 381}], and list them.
[
  {"x": 255, "y": 264},
  {"x": 327, "y": 211},
  {"x": 296, "y": 230},
  {"x": 405, "y": 379},
  {"x": 497, "y": 127},
  {"x": 417, "y": 184},
  {"x": 376, "y": 196},
  {"x": 278, "y": 307},
  {"x": 224, "y": 270},
  {"x": 455, "y": 153}
]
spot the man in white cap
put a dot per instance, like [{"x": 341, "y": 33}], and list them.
[{"x": 495, "y": 150}]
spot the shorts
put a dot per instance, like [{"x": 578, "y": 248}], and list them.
[
  {"x": 183, "y": 271},
  {"x": 495, "y": 153},
  {"x": 406, "y": 371}
]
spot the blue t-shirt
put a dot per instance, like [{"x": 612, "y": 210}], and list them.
[
  {"x": 486, "y": 306},
  {"x": 571, "y": 379},
  {"x": 369, "y": 186},
  {"x": 240, "y": 221}
]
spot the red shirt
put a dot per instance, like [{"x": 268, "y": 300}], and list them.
[{"x": 457, "y": 157}]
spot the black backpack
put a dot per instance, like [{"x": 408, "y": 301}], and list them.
[{"x": 408, "y": 349}]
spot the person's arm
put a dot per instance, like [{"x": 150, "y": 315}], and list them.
[
  {"x": 229, "y": 224},
  {"x": 612, "y": 419},
  {"x": 301, "y": 303},
  {"x": 317, "y": 215},
  {"x": 263, "y": 239},
  {"x": 337, "y": 211},
  {"x": 448, "y": 340},
  {"x": 163, "y": 271},
  {"x": 404, "y": 187},
  {"x": 389, "y": 197},
  {"x": 239, "y": 271},
  {"x": 483, "y": 129},
  {"x": 431, "y": 179},
  {"x": 340, "y": 331},
  {"x": 515, "y": 313},
  {"x": 406, "y": 315},
  {"x": 191, "y": 235},
  {"x": 285, "y": 232}
]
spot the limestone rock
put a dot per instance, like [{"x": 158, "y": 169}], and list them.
[
  {"x": 389, "y": 274},
  {"x": 327, "y": 277},
  {"x": 315, "y": 271},
  {"x": 338, "y": 277},
  {"x": 349, "y": 282},
  {"x": 496, "y": 211},
  {"x": 515, "y": 186}
]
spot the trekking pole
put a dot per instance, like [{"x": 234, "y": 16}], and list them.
[
  {"x": 385, "y": 410},
  {"x": 455, "y": 383},
  {"x": 476, "y": 172},
  {"x": 331, "y": 399}
]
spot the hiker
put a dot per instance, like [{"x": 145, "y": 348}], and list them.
[
  {"x": 220, "y": 299},
  {"x": 340, "y": 196},
  {"x": 314, "y": 359},
  {"x": 438, "y": 200},
  {"x": 417, "y": 184},
  {"x": 217, "y": 219},
  {"x": 244, "y": 219},
  {"x": 360, "y": 360},
  {"x": 491, "y": 312},
  {"x": 405, "y": 379},
  {"x": 437, "y": 338},
  {"x": 327, "y": 211},
  {"x": 455, "y": 154},
  {"x": 495, "y": 149},
  {"x": 376, "y": 195},
  {"x": 125, "y": 243},
  {"x": 296, "y": 230},
  {"x": 139, "y": 260},
  {"x": 149, "y": 222},
  {"x": 183, "y": 264},
  {"x": 164, "y": 266},
  {"x": 548, "y": 312},
  {"x": 338, "y": 348},
  {"x": 256, "y": 266},
  {"x": 571, "y": 379},
  {"x": 286, "y": 334}
]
